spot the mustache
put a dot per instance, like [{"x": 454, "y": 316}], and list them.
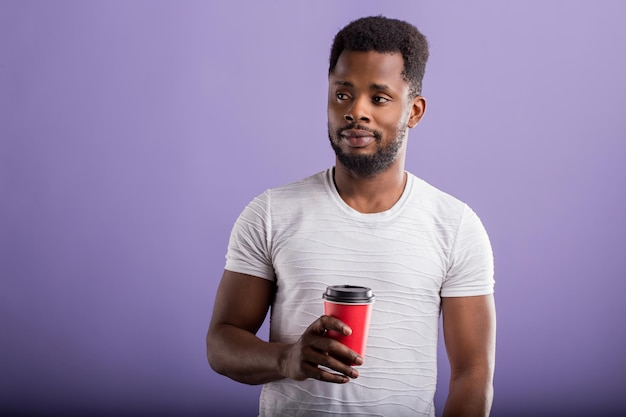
[{"x": 355, "y": 126}]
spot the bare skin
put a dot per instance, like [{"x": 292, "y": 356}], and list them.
[
  {"x": 366, "y": 89},
  {"x": 469, "y": 326},
  {"x": 234, "y": 350}
]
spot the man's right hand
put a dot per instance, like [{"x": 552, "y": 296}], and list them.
[
  {"x": 234, "y": 350},
  {"x": 314, "y": 350}
]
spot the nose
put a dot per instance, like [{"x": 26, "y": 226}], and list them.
[{"x": 358, "y": 112}]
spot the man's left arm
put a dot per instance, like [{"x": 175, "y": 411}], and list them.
[{"x": 469, "y": 327}]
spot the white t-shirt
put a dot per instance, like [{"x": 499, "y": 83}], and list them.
[{"x": 305, "y": 237}]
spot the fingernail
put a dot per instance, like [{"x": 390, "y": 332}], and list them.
[{"x": 359, "y": 360}]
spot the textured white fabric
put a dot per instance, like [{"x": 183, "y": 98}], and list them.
[{"x": 428, "y": 245}]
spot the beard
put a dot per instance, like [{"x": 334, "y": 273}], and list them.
[{"x": 370, "y": 164}]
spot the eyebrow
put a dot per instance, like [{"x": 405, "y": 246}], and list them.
[{"x": 373, "y": 86}]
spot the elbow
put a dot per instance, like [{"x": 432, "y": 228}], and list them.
[
  {"x": 481, "y": 373},
  {"x": 212, "y": 353},
  {"x": 480, "y": 377}
]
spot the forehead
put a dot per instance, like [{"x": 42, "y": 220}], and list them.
[{"x": 370, "y": 66}]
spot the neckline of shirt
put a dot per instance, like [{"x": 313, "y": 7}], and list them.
[{"x": 367, "y": 217}]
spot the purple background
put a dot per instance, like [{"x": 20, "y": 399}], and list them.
[{"x": 133, "y": 134}]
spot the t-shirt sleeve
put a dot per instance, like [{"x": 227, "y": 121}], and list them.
[
  {"x": 470, "y": 271},
  {"x": 248, "y": 246}
]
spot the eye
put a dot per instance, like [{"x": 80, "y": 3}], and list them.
[
  {"x": 341, "y": 96},
  {"x": 380, "y": 99}
]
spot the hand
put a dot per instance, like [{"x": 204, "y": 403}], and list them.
[{"x": 302, "y": 360}]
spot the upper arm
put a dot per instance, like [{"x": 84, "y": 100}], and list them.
[
  {"x": 242, "y": 301},
  {"x": 469, "y": 326}
]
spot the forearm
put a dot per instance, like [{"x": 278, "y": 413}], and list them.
[
  {"x": 470, "y": 395},
  {"x": 242, "y": 356}
]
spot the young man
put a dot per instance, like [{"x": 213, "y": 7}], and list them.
[{"x": 364, "y": 222}]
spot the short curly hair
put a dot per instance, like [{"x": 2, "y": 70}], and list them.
[{"x": 385, "y": 35}]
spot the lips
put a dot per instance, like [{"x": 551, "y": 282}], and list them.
[
  {"x": 355, "y": 133},
  {"x": 357, "y": 138}
]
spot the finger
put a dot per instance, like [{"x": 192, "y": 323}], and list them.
[
  {"x": 335, "y": 349},
  {"x": 325, "y": 374},
  {"x": 318, "y": 327},
  {"x": 331, "y": 364},
  {"x": 333, "y": 377},
  {"x": 333, "y": 323}
]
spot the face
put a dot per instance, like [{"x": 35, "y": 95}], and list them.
[{"x": 370, "y": 111}]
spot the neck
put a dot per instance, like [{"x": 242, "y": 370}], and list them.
[{"x": 371, "y": 194}]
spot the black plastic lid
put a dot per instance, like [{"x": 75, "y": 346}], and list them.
[{"x": 349, "y": 294}]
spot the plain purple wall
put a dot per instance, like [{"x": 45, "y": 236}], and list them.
[{"x": 134, "y": 132}]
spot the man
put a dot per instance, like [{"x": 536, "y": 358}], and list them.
[{"x": 364, "y": 222}]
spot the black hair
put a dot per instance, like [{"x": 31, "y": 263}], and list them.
[{"x": 385, "y": 35}]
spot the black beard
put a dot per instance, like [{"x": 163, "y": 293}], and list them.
[{"x": 367, "y": 165}]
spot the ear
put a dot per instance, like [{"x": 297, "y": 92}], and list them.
[{"x": 418, "y": 108}]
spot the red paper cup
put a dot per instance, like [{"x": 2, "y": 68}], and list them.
[{"x": 353, "y": 306}]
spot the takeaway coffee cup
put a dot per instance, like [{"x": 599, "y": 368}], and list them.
[{"x": 353, "y": 306}]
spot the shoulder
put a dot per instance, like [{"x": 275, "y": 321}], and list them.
[
  {"x": 306, "y": 185},
  {"x": 435, "y": 201},
  {"x": 287, "y": 200},
  {"x": 448, "y": 214},
  {"x": 302, "y": 192}
]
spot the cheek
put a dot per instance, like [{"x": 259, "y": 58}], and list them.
[
  {"x": 335, "y": 113},
  {"x": 392, "y": 121}
]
